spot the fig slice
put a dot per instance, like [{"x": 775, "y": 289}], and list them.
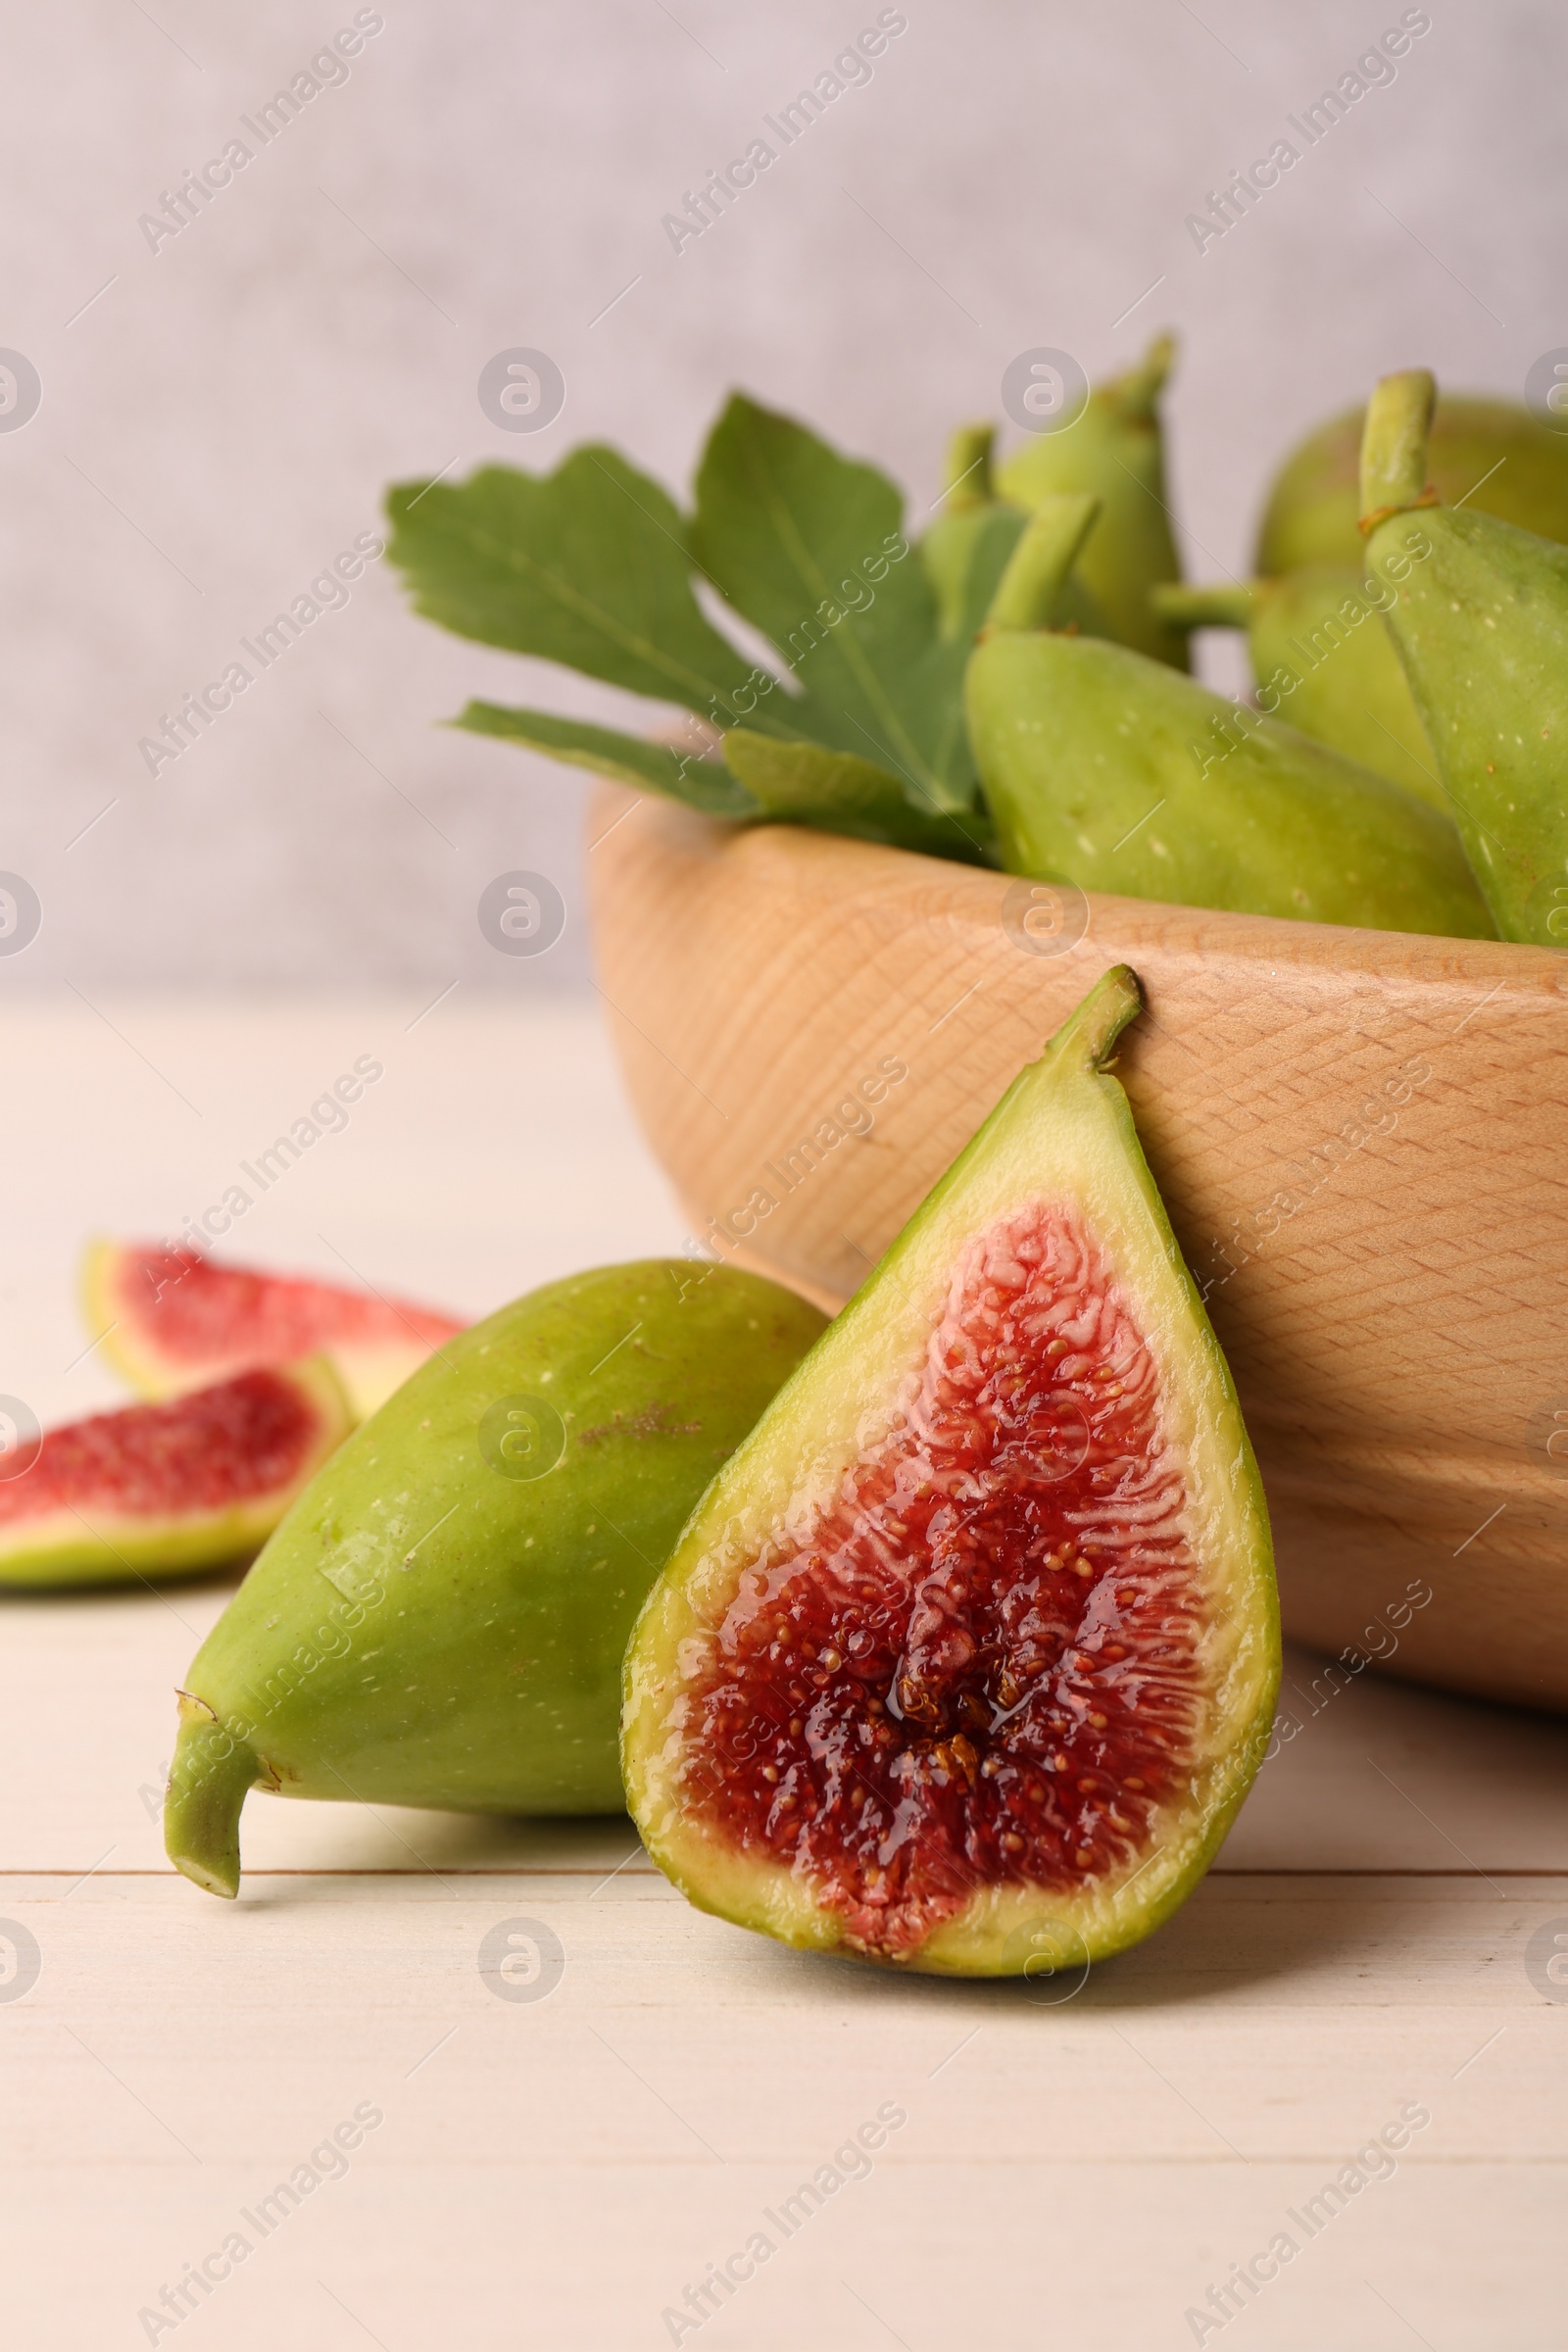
[
  {"x": 170, "y": 1319},
  {"x": 173, "y": 1488},
  {"x": 968, "y": 1654}
]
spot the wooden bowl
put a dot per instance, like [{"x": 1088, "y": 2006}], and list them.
[{"x": 1361, "y": 1137}]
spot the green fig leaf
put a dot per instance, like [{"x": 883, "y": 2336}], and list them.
[
  {"x": 587, "y": 566},
  {"x": 705, "y": 784},
  {"x": 593, "y": 566},
  {"x": 809, "y": 547},
  {"x": 838, "y": 792}
]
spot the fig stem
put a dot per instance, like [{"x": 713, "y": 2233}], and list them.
[
  {"x": 1225, "y": 606},
  {"x": 967, "y": 482},
  {"x": 208, "y": 1780},
  {"x": 1090, "y": 1036},
  {"x": 1038, "y": 568},
  {"x": 1137, "y": 392},
  {"x": 1394, "y": 445}
]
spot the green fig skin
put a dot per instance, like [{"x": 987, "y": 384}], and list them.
[
  {"x": 1107, "y": 771},
  {"x": 1492, "y": 454},
  {"x": 440, "y": 1620},
  {"x": 1062, "y": 1131},
  {"x": 1482, "y": 629},
  {"x": 1114, "y": 451},
  {"x": 1321, "y": 654}
]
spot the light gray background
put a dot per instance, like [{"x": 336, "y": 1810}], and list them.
[{"x": 222, "y": 418}]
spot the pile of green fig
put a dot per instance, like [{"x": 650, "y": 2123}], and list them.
[{"x": 1012, "y": 689}]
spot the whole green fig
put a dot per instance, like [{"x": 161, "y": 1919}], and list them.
[
  {"x": 1114, "y": 452},
  {"x": 440, "y": 1619},
  {"x": 1321, "y": 655},
  {"x": 968, "y": 547},
  {"x": 1108, "y": 770},
  {"x": 1482, "y": 628},
  {"x": 1492, "y": 455}
]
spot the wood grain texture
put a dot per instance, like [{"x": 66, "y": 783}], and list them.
[
  {"x": 1363, "y": 1139},
  {"x": 558, "y": 2171}
]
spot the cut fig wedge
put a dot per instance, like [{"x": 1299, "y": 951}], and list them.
[
  {"x": 968, "y": 1654},
  {"x": 173, "y": 1488},
  {"x": 172, "y": 1320}
]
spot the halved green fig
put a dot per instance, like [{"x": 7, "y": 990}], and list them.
[
  {"x": 173, "y": 1319},
  {"x": 441, "y": 1619},
  {"x": 967, "y": 1656},
  {"x": 165, "y": 1489}
]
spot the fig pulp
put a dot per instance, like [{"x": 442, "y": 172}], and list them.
[
  {"x": 164, "y": 1490},
  {"x": 967, "y": 1656},
  {"x": 1481, "y": 626},
  {"x": 441, "y": 1618}
]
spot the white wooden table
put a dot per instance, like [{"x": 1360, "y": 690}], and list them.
[{"x": 1074, "y": 2173}]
